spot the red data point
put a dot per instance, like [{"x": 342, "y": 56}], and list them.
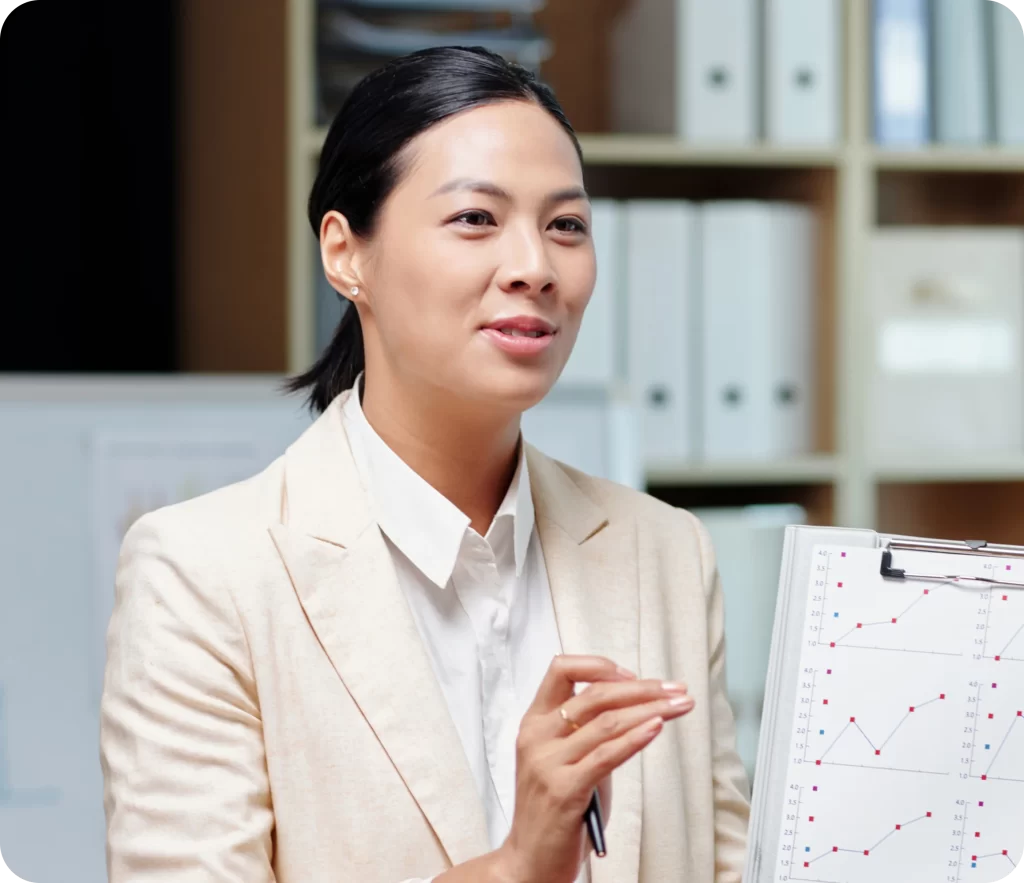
[
  {"x": 898, "y": 827},
  {"x": 929, "y": 815},
  {"x": 825, "y": 702},
  {"x": 859, "y": 625},
  {"x": 894, "y": 619},
  {"x": 817, "y": 763},
  {"x": 974, "y": 858},
  {"x": 852, "y": 719},
  {"x": 810, "y": 818},
  {"x": 866, "y": 852},
  {"x": 926, "y": 591},
  {"x": 911, "y": 707},
  {"x": 942, "y": 695},
  {"x": 878, "y": 751},
  {"x": 840, "y": 585},
  {"x": 1005, "y": 597},
  {"x": 991, "y": 716},
  {"x": 984, "y": 778},
  {"x": 834, "y": 643},
  {"x": 1019, "y": 714},
  {"x": 1004, "y": 852},
  {"x": 977, "y": 833},
  {"x": 807, "y": 864},
  {"x": 997, "y": 659},
  {"x": 835, "y": 849}
]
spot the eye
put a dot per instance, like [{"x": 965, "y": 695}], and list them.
[
  {"x": 569, "y": 225},
  {"x": 474, "y": 218}
]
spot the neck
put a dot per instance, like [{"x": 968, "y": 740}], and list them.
[{"x": 465, "y": 453}]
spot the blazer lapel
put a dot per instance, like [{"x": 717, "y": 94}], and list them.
[
  {"x": 592, "y": 570},
  {"x": 342, "y": 572}
]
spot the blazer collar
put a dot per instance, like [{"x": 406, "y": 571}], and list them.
[{"x": 345, "y": 580}]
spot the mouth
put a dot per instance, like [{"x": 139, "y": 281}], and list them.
[
  {"x": 515, "y": 332},
  {"x": 522, "y": 326}
]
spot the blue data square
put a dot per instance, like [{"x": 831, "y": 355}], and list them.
[
  {"x": 836, "y": 615},
  {"x": 807, "y": 849},
  {"x": 987, "y": 747}
]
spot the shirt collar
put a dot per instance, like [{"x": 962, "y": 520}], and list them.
[{"x": 424, "y": 524}]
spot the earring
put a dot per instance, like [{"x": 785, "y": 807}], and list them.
[{"x": 355, "y": 291}]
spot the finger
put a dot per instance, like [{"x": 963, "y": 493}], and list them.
[
  {"x": 566, "y": 671},
  {"x": 598, "y": 698},
  {"x": 611, "y": 725},
  {"x": 608, "y": 756}
]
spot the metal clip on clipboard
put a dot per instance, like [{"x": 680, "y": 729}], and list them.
[{"x": 967, "y": 547}]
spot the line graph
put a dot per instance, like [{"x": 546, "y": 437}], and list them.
[
  {"x": 975, "y": 849},
  {"x": 1001, "y": 623},
  {"x": 908, "y": 709},
  {"x": 898, "y": 626},
  {"x": 997, "y": 744},
  {"x": 878, "y": 748},
  {"x": 882, "y": 736},
  {"x": 815, "y": 853}
]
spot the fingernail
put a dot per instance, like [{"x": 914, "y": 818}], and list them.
[
  {"x": 653, "y": 725},
  {"x": 677, "y": 701},
  {"x": 673, "y": 687}
]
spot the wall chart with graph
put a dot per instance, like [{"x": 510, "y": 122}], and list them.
[{"x": 897, "y": 750}]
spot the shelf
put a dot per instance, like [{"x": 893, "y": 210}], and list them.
[
  {"x": 669, "y": 151},
  {"x": 815, "y": 469},
  {"x": 981, "y": 159},
  {"x": 664, "y": 150},
  {"x": 922, "y": 469}
]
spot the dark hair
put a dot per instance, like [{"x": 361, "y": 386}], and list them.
[{"x": 360, "y": 162}]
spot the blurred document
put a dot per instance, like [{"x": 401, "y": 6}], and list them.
[{"x": 947, "y": 307}]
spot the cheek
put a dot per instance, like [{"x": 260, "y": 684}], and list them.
[
  {"x": 424, "y": 292},
  {"x": 578, "y": 279}
]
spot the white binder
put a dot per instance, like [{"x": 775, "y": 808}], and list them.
[
  {"x": 757, "y": 297},
  {"x": 802, "y": 71},
  {"x": 595, "y": 357},
  {"x": 902, "y": 84},
  {"x": 961, "y": 93},
  {"x": 1007, "y": 75},
  {"x": 590, "y": 431},
  {"x": 661, "y": 290},
  {"x": 718, "y": 66},
  {"x": 748, "y": 548},
  {"x": 948, "y": 321},
  {"x": 889, "y": 748}
]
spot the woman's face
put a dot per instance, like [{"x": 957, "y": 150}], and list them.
[{"x": 482, "y": 263}]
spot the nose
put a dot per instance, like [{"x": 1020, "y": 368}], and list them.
[{"x": 525, "y": 264}]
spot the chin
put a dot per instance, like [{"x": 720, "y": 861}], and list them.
[{"x": 515, "y": 388}]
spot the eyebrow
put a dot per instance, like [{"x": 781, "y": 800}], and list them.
[{"x": 567, "y": 194}]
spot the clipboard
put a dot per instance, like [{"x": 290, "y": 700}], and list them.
[{"x": 892, "y": 738}]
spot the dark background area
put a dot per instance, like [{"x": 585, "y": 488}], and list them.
[{"x": 87, "y": 184}]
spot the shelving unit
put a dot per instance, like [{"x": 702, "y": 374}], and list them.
[{"x": 853, "y": 186}]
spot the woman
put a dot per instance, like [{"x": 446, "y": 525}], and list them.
[{"x": 412, "y": 646}]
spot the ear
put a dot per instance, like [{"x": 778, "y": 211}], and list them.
[{"x": 340, "y": 254}]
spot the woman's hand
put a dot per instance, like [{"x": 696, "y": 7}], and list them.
[{"x": 558, "y": 766}]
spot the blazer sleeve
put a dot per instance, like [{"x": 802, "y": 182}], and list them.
[
  {"x": 186, "y": 792},
  {"x": 731, "y": 787}
]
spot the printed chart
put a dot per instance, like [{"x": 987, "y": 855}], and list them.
[{"x": 907, "y": 748}]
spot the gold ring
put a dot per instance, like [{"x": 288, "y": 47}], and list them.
[{"x": 565, "y": 716}]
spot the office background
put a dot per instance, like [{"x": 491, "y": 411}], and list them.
[{"x": 809, "y": 217}]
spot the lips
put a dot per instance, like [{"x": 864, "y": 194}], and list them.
[{"x": 522, "y": 326}]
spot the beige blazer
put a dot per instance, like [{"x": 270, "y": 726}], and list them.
[{"x": 269, "y": 712}]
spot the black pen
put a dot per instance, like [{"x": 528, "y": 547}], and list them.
[{"x": 595, "y": 824}]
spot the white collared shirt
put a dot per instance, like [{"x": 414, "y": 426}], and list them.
[{"x": 482, "y": 605}]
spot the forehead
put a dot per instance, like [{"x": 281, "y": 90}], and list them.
[{"x": 516, "y": 144}]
